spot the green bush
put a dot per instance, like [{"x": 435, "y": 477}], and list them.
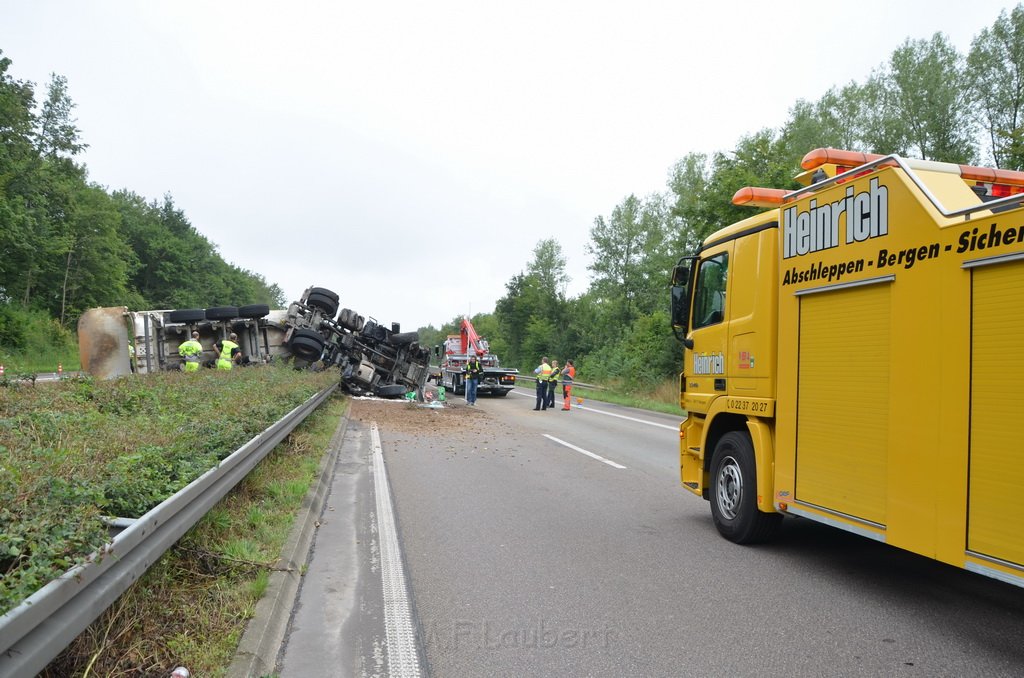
[
  {"x": 12, "y": 329},
  {"x": 645, "y": 357},
  {"x": 32, "y": 341},
  {"x": 74, "y": 451}
]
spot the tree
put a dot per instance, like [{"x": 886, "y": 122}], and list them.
[
  {"x": 836, "y": 120},
  {"x": 548, "y": 267},
  {"x": 703, "y": 190},
  {"x": 96, "y": 269},
  {"x": 57, "y": 136},
  {"x": 924, "y": 107},
  {"x": 19, "y": 165},
  {"x": 995, "y": 74},
  {"x": 689, "y": 183},
  {"x": 533, "y": 308},
  {"x": 630, "y": 257}
]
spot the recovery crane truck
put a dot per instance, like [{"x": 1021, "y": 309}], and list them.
[
  {"x": 852, "y": 355},
  {"x": 455, "y": 353}
]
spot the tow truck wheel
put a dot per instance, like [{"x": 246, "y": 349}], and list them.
[{"x": 734, "y": 492}]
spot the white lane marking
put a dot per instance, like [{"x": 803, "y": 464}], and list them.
[
  {"x": 622, "y": 416},
  {"x": 582, "y": 451},
  {"x": 612, "y": 414},
  {"x": 403, "y": 660}
]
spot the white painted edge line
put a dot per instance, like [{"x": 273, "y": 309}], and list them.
[
  {"x": 612, "y": 414},
  {"x": 582, "y": 451},
  {"x": 622, "y": 416},
  {"x": 403, "y": 659}
]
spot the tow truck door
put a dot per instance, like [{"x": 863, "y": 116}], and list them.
[{"x": 704, "y": 368}]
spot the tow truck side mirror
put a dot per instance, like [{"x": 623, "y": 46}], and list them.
[{"x": 680, "y": 310}]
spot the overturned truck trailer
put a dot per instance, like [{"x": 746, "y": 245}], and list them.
[{"x": 372, "y": 359}]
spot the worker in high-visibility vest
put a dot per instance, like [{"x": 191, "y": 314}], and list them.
[
  {"x": 552, "y": 384},
  {"x": 543, "y": 372},
  {"x": 568, "y": 375},
  {"x": 192, "y": 351},
  {"x": 229, "y": 352},
  {"x": 473, "y": 371}
]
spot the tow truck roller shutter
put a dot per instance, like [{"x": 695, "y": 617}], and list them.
[
  {"x": 996, "y": 502},
  {"x": 843, "y": 400}
]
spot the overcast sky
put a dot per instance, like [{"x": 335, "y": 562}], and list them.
[{"x": 410, "y": 155}]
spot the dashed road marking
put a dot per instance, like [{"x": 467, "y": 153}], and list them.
[{"x": 586, "y": 452}]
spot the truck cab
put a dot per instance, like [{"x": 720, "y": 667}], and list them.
[{"x": 725, "y": 310}]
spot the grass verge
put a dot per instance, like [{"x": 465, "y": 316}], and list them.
[
  {"x": 190, "y": 609},
  {"x": 76, "y": 451},
  {"x": 662, "y": 398}
]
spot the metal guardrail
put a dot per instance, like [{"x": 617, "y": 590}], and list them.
[
  {"x": 35, "y": 632},
  {"x": 529, "y": 380}
]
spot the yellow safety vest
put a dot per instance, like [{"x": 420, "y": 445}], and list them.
[
  {"x": 191, "y": 350},
  {"x": 224, "y": 361}
]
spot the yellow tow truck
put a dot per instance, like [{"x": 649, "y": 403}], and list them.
[{"x": 854, "y": 354}]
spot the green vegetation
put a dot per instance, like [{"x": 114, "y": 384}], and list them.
[
  {"x": 191, "y": 607},
  {"x": 75, "y": 451},
  {"x": 69, "y": 245},
  {"x": 32, "y": 341},
  {"x": 663, "y": 398},
  {"x": 926, "y": 101}
]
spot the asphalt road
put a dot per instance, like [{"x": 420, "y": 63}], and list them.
[{"x": 560, "y": 544}]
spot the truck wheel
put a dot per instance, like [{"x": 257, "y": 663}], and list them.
[
  {"x": 325, "y": 304},
  {"x": 734, "y": 492},
  {"x": 253, "y": 311},
  {"x": 324, "y": 299},
  {"x": 324, "y": 292},
  {"x": 187, "y": 315},
  {"x": 222, "y": 313},
  {"x": 306, "y": 344},
  {"x": 403, "y": 338},
  {"x": 392, "y": 391}
]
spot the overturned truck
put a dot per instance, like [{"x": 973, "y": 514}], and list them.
[{"x": 372, "y": 359}]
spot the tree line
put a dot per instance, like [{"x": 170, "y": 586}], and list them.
[
  {"x": 69, "y": 244},
  {"x": 926, "y": 101}
]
